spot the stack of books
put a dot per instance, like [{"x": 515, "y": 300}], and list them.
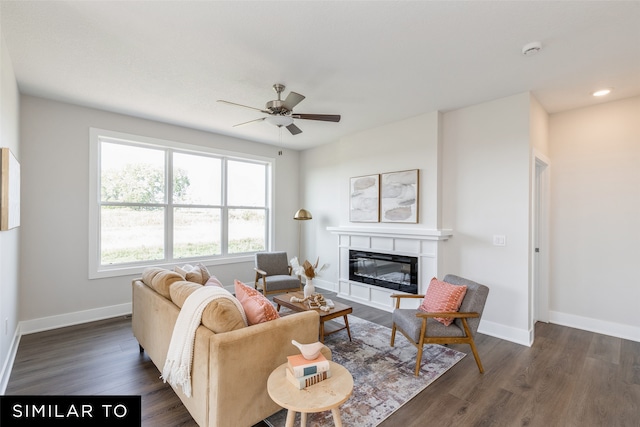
[{"x": 302, "y": 372}]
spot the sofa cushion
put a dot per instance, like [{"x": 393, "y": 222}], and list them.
[
  {"x": 149, "y": 273},
  {"x": 179, "y": 291},
  {"x": 443, "y": 297},
  {"x": 256, "y": 306},
  {"x": 220, "y": 315},
  {"x": 160, "y": 280}
]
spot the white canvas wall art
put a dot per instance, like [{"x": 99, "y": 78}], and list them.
[
  {"x": 364, "y": 199},
  {"x": 399, "y": 196}
]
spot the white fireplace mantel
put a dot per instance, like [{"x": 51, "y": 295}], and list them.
[
  {"x": 418, "y": 242},
  {"x": 406, "y": 233}
]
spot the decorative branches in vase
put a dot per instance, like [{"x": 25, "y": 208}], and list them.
[{"x": 309, "y": 272}]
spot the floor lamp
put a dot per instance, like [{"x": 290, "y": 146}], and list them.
[{"x": 301, "y": 215}]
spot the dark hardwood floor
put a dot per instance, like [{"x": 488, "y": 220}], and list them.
[{"x": 568, "y": 378}]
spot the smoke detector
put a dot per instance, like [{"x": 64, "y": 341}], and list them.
[{"x": 531, "y": 49}]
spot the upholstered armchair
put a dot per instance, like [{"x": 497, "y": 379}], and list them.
[
  {"x": 422, "y": 328},
  {"x": 273, "y": 273}
]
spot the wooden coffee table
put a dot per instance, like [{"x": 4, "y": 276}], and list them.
[
  {"x": 339, "y": 310},
  {"x": 323, "y": 396}
]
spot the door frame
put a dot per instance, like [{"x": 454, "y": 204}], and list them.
[{"x": 539, "y": 251}]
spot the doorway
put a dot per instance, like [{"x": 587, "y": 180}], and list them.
[{"x": 540, "y": 240}]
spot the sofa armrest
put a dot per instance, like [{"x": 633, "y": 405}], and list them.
[{"x": 242, "y": 360}]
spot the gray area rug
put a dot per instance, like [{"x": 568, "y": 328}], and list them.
[{"x": 382, "y": 375}]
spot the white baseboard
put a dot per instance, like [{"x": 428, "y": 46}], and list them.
[
  {"x": 68, "y": 319},
  {"x": 509, "y": 333},
  {"x": 526, "y": 337},
  {"x": 8, "y": 363},
  {"x": 598, "y": 326}
]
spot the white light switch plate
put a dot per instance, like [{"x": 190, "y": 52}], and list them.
[{"x": 499, "y": 240}]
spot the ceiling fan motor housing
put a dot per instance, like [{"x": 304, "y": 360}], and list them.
[{"x": 276, "y": 107}]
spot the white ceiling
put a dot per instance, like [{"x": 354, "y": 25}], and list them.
[{"x": 372, "y": 62}]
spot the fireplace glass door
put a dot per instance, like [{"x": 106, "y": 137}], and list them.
[{"x": 396, "y": 272}]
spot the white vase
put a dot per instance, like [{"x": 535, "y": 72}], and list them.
[{"x": 309, "y": 289}]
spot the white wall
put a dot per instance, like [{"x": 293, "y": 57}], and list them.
[
  {"x": 539, "y": 127},
  {"x": 485, "y": 192},
  {"x": 9, "y": 240},
  {"x": 482, "y": 156},
  {"x": 55, "y": 289},
  {"x": 325, "y": 173},
  {"x": 595, "y": 218}
]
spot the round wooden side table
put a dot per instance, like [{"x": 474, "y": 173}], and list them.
[{"x": 323, "y": 396}]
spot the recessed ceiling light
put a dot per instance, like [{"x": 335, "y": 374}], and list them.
[{"x": 602, "y": 92}]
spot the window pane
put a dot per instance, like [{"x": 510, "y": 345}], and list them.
[
  {"x": 129, "y": 234},
  {"x": 196, "y": 232},
  {"x": 196, "y": 179},
  {"x": 247, "y": 230},
  {"x": 131, "y": 174},
  {"x": 246, "y": 184}
]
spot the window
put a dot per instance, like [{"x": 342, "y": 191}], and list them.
[{"x": 157, "y": 202}]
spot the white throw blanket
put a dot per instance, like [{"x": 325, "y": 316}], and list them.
[{"x": 177, "y": 367}]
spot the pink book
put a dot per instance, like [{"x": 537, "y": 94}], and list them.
[{"x": 301, "y": 366}]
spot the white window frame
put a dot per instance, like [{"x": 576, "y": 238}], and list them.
[{"x": 96, "y": 136}]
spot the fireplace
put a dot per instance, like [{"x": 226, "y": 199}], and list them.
[{"x": 396, "y": 272}]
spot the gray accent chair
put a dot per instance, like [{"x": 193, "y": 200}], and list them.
[
  {"x": 273, "y": 273},
  {"x": 421, "y": 328}
]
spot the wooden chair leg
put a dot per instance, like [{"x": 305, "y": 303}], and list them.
[
  {"x": 420, "y": 345},
  {"x": 418, "y": 360},
  {"x": 476, "y": 355},
  {"x": 472, "y": 344},
  {"x": 393, "y": 334}
]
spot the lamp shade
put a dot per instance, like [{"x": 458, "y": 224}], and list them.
[{"x": 302, "y": 214}]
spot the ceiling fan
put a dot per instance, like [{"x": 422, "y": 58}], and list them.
[{"x": 280, "y": 113}]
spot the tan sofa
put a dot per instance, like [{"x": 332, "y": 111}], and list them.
[{"x": 230, "y": 369}]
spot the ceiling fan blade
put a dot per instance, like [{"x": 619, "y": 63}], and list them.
[
  {"x": 250, "y": 121},
  {"x": 292, "y": 100},
  {"x": 245, "y": 106},
  {"x": 294, "y": 129},
  {"x": 321, "y": 117}
]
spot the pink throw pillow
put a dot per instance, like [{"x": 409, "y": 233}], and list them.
[
  {"x": 213, "y": 281},
  {"x": 256, "y": 306},
  {"x": 443, "y": 297}
]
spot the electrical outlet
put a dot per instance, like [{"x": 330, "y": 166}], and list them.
[{"x": 499, "y": 240}]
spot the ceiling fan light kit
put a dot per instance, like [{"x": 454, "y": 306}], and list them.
[
  {"x": 281, "y": 112},
  {"x": 280, "y": 120}
]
